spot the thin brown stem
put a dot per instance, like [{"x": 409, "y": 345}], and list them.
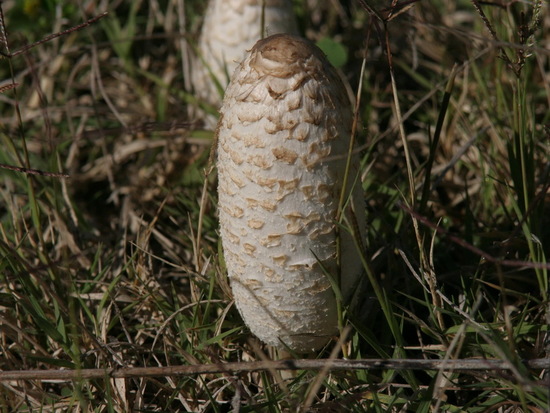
[{"x": 302, "y": 364}]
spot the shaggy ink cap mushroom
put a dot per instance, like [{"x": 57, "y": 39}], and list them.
[{"x": 283, "y": 140}]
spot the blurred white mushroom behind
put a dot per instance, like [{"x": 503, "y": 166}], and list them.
[{"x": 230, "y": 28}]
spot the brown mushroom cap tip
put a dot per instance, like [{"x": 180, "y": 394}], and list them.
[{"x": 285, "y": 54}]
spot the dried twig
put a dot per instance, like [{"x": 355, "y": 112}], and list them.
[{"x": 244, "y": 367}]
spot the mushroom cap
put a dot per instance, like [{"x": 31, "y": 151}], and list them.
[{"x": 283, "y": 138}]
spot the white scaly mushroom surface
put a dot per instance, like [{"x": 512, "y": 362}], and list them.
[
  {"x": 283, "y": 137},
  {"x": 230, "y": 28}
]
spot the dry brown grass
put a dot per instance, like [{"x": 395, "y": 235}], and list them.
[{"x": 110, "y": 267}]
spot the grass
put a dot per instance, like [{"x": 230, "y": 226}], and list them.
[{"x": 119, "y": 265}]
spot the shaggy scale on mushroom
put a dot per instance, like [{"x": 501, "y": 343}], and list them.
[{"x": 283, "y": 139}]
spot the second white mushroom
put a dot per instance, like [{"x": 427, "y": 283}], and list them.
[{"x": 230, "y": 28}]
